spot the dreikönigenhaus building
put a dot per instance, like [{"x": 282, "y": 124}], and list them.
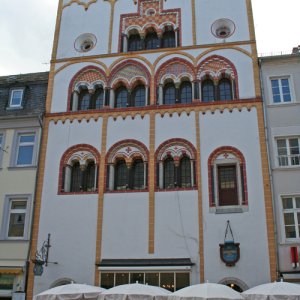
[{"x": 154, "y": 147}]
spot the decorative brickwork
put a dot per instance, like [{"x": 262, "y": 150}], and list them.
[
  {"x": 127, "y": 150},
  {"x": 150, "y": 15},
  {"x": 80, "y": 152},
  {"x": 176, "y": 148},
  {"x": 176, "y": 67},
  {"x": 85, "y": 3},
  {"x": 217, "y": 67},
  {"x": 227, "y": 152},
  {"x": 129, "y": 72},
  {"x": 89, "y": 76}
]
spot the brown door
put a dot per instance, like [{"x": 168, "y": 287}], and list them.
[{"x": 227, "y": 185}]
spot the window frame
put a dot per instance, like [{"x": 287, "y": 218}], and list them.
[
  {"x": 7, "y": 212},
  {"x": 2, "y": 145},
  {"x": 145, "y": 271},
  {"x": 227, "y": 157},
  {"x": 291, "y": 87},
  {"x": 294, "y": 210},
  {"x": 166, "y": 93},
  {"x": 288, "y": 155},
  {"x": 208, "y": 82},
  {"x": 12, "y": 91},
  {"x": 15, "y": 147}
]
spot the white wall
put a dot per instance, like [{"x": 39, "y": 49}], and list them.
[
  {"x": 70, "y": 219},
  {"x": 208, "y": 11},
  {"x": 239, "y": 130}
]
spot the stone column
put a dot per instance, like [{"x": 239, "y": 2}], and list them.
[
  {"x": 161, "y": 174},
  {"x": 112, "y": 99},
  {"x": 200, "y": 90},
  {"x": 192, "y": 173},
  {"x": 146, "y": 95},
  {"x": 75, "y": 101},
  {"x": 160, "y": 94},
  {"x": 193, "y": 90},
  {"x": 68, "y": 174},
  {"x": 145, "y": 174},
  {"x": 125, "y": 43},
  {"x": 111, "y": 183}
]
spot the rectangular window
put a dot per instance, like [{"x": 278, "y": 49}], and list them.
[
  {"x": 172, "y": 281},
  {"x": 1, "y": 148},
  {"x": 288, "y": 152},
  {"x": 25, "y": 149},
  {"x": 291, "y": 216},
  {"x": 281, "y": 91},
  {"x": 16, "y": 97},
  {"x": 17, "y": 217},
  {"x": 6, "y": 281},
  {"x": 227, "y": 185}
]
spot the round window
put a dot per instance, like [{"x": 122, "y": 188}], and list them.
[
  {"x": 85, "y": 42},
  {"x": 223, "y": 28}
]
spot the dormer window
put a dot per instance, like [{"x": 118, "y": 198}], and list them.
[{"x": 16, "y": 97}]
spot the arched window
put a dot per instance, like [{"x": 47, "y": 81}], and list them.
[
  {"x": 208, "y": 91},
  {"x": 227, "y": 173},
  {"x": 168, "y": 39},
  {"x": 84, "y": 100},
  {"x": 185, "y": 177},
  {"x": 138, "y": 176},
  {"x": 186, "y": 92},
  {"x": 134, "y": 42},
  {"x": 169, "y": 93},
  {"x": 139, "y": 96},
  {"x": 98, "y": 98},
  {"x": 121, "y": 97},
  {"x": 169, "y": 173},
  {"x": 127, "y": 166},
  {"x": 175, "y": 167},
  {"x": 151, "y": 41},
  {"x": 121, "y": 175},
  {"x": 224, "y": 89},
  {"x": 79, "y": 170}
]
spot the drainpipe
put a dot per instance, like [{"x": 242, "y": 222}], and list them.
[
  {"x": 269, "y": 165},
  {"x": 40, "y": 120}
]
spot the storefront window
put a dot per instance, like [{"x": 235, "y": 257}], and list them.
[
  {"x": 167, "y": 281},
  {"x": 171, "y": 281},
  {"x": 152, "y": 279},
  {"x": 122, "y": 278},
  {"x": 6, "y": 281}
]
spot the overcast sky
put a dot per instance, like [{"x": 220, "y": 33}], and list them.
[{"x": 27, "y": 28}]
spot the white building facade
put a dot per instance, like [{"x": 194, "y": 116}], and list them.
[
  {"x": 280, "y": 81},
  {"x": 154, "y": 140},
  {"x": 22, "y": 105}
]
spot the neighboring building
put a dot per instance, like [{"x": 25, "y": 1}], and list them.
[
  {"x": 22, "y": 105},
  {"x": 153, "y": 140},
  {"x": 281, "y": 86}
]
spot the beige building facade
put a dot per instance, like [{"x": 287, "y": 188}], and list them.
[{"x": 22, "y": 102}]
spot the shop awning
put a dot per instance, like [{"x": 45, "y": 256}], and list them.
[
  {"x": 15, "y": 271},
  {"x": 146, "y": 264}
]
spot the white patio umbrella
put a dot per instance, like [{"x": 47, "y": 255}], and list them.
[
  {"x": 274, "y": 291},
  {"x": 206, "y": 291},
  {"x": 134, "y": 291},
  {"x": 72, "y": 291}
]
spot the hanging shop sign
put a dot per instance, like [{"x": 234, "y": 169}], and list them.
[{"x": 229, "y": 251}]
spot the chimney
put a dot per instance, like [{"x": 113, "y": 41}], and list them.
[{"x": 296, "y": 50}]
